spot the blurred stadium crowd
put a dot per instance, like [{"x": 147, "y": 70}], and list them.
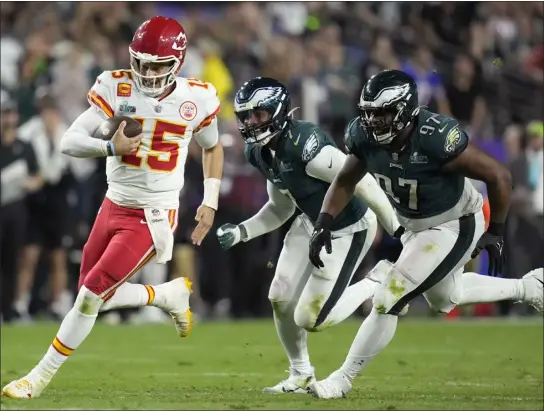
[{"x": 482, "y": 62}]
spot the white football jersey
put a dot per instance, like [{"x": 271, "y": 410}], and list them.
[{"x": 154, "y": 175}]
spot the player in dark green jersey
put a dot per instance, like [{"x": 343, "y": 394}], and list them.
[
  {"x": 299, "y": 162},
  {"x": 423, "y": 162}
]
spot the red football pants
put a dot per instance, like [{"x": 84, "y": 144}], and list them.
[{"x": 119, "y": 245}]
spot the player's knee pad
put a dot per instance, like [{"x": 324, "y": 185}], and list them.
[
  {"x": 281, "y": 289},
  {"x": 306, "y": 316},
  {"x": 390, "y": 295},
  {"x": 447, "y": 294},
  {"x": 446, "y": 303},
  {"x": 380, "y": 271},
  {"x": 87, "y": 302},
  {"x": 305, "y": 319}
]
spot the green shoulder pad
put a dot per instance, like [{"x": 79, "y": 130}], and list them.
[
  {"x": 307, "y": 139},
  {"x": 441, "y": 137},
  {"x": 249, "y": 153},
  {"x": 355, "y": 138}
]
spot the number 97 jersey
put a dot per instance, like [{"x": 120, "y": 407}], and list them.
[
  {"x": 421, "y": 192},
  {"x": 154, "y": 175}
]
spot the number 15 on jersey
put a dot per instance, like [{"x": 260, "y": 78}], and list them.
[{"x": 163, "y": 155}]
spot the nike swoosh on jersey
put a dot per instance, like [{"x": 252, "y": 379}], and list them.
[
  {"x": 143, "y": 222},
  {"x": 296, "y": 141},
  {"x": 442, "y": 129}
]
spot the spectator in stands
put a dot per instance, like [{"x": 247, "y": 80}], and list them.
[
  {"x": 534, "y": 64},
  {"x": 63, "y": 46},
  {"x": 535, "y": 132},
  {"x": 447, "y": 22},
  {"x": 429, "y": 84},
  {"x": 216, "y": 72},
  {"x": 518, "y": 245},
  {"x": 20, "y": 175},
  {"x": 342, "y": 85},
  {"x": 381, "y": 57},
  {"x": 464, "y": 93},
  {"x": 35, "y": 71},
  {"x": 48, "y": 211}
]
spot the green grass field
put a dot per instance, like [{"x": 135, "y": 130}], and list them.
[{"x": 429, "y": 365}]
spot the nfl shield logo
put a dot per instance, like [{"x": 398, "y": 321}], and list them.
[
  {"x": 158, "y": 109},
  {"x": 395, "y": 157}
]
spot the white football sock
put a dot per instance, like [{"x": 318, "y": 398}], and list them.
[
  {"x": 154, "y": 273},
  {"x": 73, "y": 330},
  {"x": 350, "y": 300},
  {"x": 129, "y": 296},
  {"x": 484, "y": 289},
  {"x": 376, "y": 331},
  {"x": 292, "y": 337},
  {"x": 137, "y": 295}
]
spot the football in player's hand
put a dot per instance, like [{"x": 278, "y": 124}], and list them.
[{"x": 108, "y": 128}]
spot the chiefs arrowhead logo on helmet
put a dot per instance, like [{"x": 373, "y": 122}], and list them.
[
  {"x": 180, "y": 43},
  {"x": 157, "y": 53}
]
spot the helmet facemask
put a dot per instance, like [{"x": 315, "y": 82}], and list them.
[
  {"x": 153, "y": 75},
  {"x": 259, "y": 125},
  {"x": 386, "y": 123}
]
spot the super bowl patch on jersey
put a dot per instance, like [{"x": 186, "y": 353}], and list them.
[
  {"x": 310, "y": 148},
  {"x": 188, "y": 110}
]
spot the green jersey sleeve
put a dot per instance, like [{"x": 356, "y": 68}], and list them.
[
  {"x": 446, "y": 142},
  {"x": 354, "y": 139},
  {"x": 307, "y": 140},
  {"x": 249, "y": 154}
]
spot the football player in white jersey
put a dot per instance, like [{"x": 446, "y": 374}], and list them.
[{"x": 145, "y": 175}]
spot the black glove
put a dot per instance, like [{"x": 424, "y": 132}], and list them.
[
  {"x": 321, "y": 237},
  {"x": 400, "y": 231},
  {"x": 493, "y": 242}
]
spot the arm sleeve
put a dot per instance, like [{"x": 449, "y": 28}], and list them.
[
  {"x": 369, "y": 191},
  {"x": 274, "y": 213},
  {"x": 208, "y": 136},
  {"x": 327, "y": 164},
  {"x": 77, "y": 141}
]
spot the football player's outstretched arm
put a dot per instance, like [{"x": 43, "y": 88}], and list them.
[
  {"x": 343, "y": 186},
  {"x": 337, "y": 197},
  {"x": 477, "y": 164},
  {"x": 474, "y": 163},
  {"x": 212, "y": 167},
  {"x": 270, "y": 217},
  {"x": 327, "y": 165},
  {"x": 278, "y": 209}
]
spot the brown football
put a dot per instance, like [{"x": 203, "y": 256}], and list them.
[{"x": 108, "y": 128}]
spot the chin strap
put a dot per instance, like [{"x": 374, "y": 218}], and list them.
[{"x": 290, "y": 114}]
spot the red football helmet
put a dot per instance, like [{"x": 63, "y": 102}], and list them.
[{"x": 157, "y": 52}]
